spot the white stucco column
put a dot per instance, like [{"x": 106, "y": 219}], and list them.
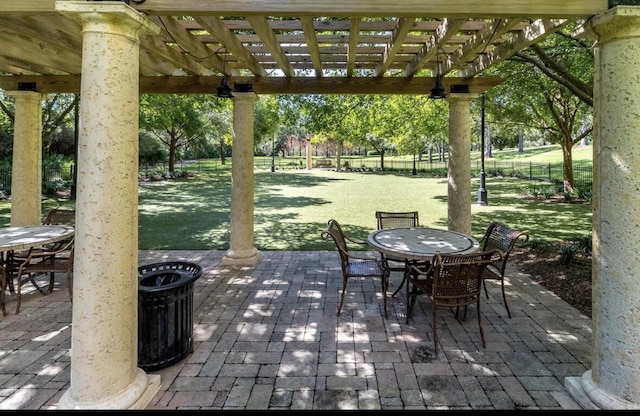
[
  {"x": 459, "y": 175},
  {"x": 614, "y": 379},
  {"x": 104, "y": 343},
  {"x": 309, "y": 149},
  {"x": 241, "y": 251},
  {"x": 26, "y": 169}
]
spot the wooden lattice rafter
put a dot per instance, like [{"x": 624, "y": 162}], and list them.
[{"x": 289, "y": 46}]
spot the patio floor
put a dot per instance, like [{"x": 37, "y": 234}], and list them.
[{"x": 268, "y": 338}]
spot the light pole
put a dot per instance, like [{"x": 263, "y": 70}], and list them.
[
  {"x": 482, "y": 191},
  {"x": 414, "y": 172},
  {"x": 273, "y": 153}
]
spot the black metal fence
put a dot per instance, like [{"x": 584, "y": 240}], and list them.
[
  {"x": 547, "y": 172},
  {"x": 52, "y": 177},
  {"x": 544, "y": 172}
]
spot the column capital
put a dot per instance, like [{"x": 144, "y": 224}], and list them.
[
  {"x": 244, "y": 96},
  {"x": 25, "y": 95},
  {"x": 109, "y": 17},
  {"x": 462, "y": 97},
  {"x": 617, "y": 23}
]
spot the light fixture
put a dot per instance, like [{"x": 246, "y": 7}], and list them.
[
  {"x": 438, "y": 91},
  {"x": 224, "y": 90}
]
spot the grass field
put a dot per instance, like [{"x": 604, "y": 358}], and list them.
[{"x": 292, "y": 207}]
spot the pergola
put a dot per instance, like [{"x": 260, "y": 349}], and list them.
[{"x": 110, "y": 51}]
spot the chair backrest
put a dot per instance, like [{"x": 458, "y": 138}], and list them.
[
  {"x": 397, "y": 219},
  {"x": 457, "y": 277},
  {"x": 335, "y": 231},
  {"x": 501, "y": 237},
  {"x": 58, "y": 216}
]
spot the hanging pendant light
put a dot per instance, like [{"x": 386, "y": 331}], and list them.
[
  {"x": 224, "y": 90},
  {"x": 438, "y": 91}
]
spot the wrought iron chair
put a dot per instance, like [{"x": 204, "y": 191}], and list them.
[
  {"x": 39, "y": 262},
  {"x": 452, "y": 281},
  {"x": 403, "y": 219},
  {"x": 501, "y": 237},
  {"x": 356, "y": 266},
  {"x": 55, "y": 216},
  {"x": 59, "y": 216}
]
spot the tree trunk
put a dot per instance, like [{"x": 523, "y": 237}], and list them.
[
  {"x": 567, "y": 165},
  {"x": 520, "y": 142},
  {"x": 172, "y": 155}
]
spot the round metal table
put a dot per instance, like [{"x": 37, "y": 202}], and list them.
[
  {"x": 26, "y": 237},
  {"x": 420, "y": 244}
]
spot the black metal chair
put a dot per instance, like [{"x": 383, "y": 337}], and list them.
[
  {"x": 356, "y": 266},
  {"x": 400, "y": 219},
  {"x": 501, "y": 237},
  {"x": 50, "y": 262},
  {"x": 452, "y": 281}
]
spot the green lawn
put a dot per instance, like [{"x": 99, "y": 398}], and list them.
[{"x": 293, "y": 206}]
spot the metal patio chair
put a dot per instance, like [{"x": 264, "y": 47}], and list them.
[
  {"x": 354, "y": 266},
  {"x": 504, "y": 238},
  {"x": 452, "y": 281}
]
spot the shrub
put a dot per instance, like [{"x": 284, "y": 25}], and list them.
[
  {"x": 584, "y": 192},
  {"x": 585, "y": 243},
  {"x": 535, "y": 243},
  {"x": 568, "y": 253}
]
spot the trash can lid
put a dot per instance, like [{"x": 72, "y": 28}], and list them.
[{"x": 167, "y": 279}]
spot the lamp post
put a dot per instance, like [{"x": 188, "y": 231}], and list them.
[
  {"x": 414, "y": 172},
  {"x": 273, "y": 153},
  {"x": 482, "y": 192}
]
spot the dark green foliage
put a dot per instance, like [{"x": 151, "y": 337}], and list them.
[
  {"x": 585, "y": 243},
  {"x": 568, "y": 252},
  {"x": 535, "y": 243}
]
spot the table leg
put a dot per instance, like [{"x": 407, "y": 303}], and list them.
[
  {"x": 407, "y": 266},
  {"x": 3, "y": 284}
]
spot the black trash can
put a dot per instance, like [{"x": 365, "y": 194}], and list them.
[{"x": 165, "y": 313}]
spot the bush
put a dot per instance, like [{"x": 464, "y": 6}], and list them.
[
  {"x": 51, "y": 188},
  {"x": 568, "y": 253},
  {"x": 535, "y": 243},
  {"x": 584, "y": 192},
  {"x": 585, "y": 243}
]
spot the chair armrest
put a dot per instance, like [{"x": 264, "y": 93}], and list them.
[
  {"x": 381, "y": 263},
  {"x": 413, "y": 270},
  {"x": 364, "y": 243},
  {"x": 35, "y": 254}
]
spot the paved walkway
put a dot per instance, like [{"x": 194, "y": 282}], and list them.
[{"x": 269, "y": 338}]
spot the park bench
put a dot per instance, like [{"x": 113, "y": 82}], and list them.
[{"x": 323, "y": 163}]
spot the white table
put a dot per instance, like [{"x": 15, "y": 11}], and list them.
[
  {"x": 420, "y": 244},
  {"x": 25, "y": 238}
]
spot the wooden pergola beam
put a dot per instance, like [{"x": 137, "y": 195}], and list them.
[{"x": 261, "y": 85}]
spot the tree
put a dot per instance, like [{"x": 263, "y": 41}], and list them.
[
  {"x": 267, "y": 120},
  {"x": 549, "y": 87},
  {"x": 321, "y": 115},
  {"x": 57, "y": 124},
  {"x": 218, "y": 127},
  {"x": 177, "y": 120},
  {"x": 415, "y": 123}
]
